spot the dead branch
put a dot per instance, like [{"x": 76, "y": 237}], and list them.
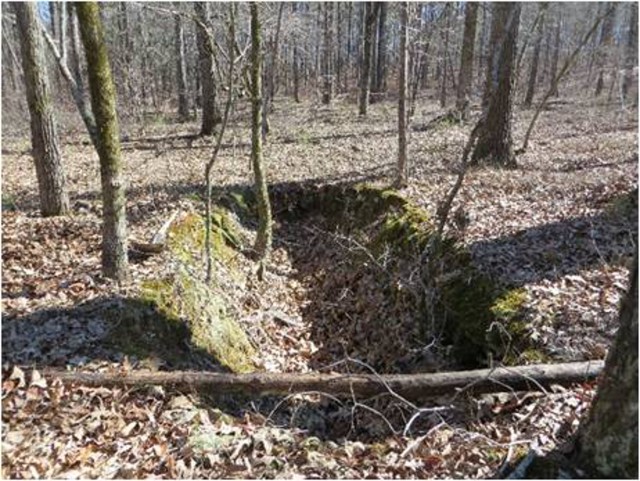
[
  {"x": 158, "y": 241},
  {"x": 411, "y": 386}
]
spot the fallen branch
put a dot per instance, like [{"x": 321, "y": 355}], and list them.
[
  {"x": 518, "y": 378},
  {"x": 159, "y": 239}
]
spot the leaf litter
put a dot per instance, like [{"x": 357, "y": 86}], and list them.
[{"x": 566, "y": 230}]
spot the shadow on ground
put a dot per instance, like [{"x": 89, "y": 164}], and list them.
[{"x": 101, "y": 330}]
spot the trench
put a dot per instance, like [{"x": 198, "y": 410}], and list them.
[
  {"x": 359, "y": 295},
  {"x": 344, "y": 291},
  {"x": 364, "y": 292},
  {"x": 347, "y": 289}
]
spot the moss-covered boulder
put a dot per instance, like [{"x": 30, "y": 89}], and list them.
[
  {"x": 182, "y": 309},
  {"x": 186, "y": 299}
]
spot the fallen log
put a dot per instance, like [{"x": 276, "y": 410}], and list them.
[{"x": 517, "y": 378}]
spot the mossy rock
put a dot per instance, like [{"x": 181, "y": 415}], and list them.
[
  {"x": 185, "y": 299},
  {"x": 141, "y": 331},
  {"x": 186, "y": 236},
  {"x": 182, "y": 309}
]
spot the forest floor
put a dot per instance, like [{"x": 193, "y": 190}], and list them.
[{"x": 562, "y": 226}]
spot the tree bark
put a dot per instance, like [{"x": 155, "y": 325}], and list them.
[
  {"x": 263, "y": 241},
  {"x": 181, "y": 71},
  {"x": 606, "y": 39},
  {"x": 494, "y": 140},
  {"x": 631, "y": 51},
  {"x": 380, "y": 83},
  {"x": 327, "y": 71},
  {"x": 44, "y": 138},
  {"x": 349, "y": 46},
  {"x": 465, "y": 77},
  {"x": 365, "y": 70},
  {"x": 77, "y": 89},
  {"x": 533, "y": 73},
  {"x": 103, "y": 102},
  {"x": 296, "y": 60},
  {"x": 338, "y": 53},
  {"x": 52, "y": 18},
  {"x": 556, "y": 51},
  {"x": 210, "y": 115},
  {"x": 411, "y": 386},
  {"x": 401, "y": 174},
  {"x": 445, "y": 57},
  {"x": 608, "y": 439},
  {"x": 482, "y": 54}
]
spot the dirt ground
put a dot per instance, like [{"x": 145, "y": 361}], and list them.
[{"x": 562, "y": 226}]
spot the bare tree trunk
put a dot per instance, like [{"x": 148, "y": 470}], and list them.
[
  {"x": 145, "y": 90},
  {"x": 445, "y": 58},
  {"x": 608, "y": 439},
  {"x": 365, "y": 71},
  {"x": 77, "y": 89},
  {"x": 62, "y": 37},
  {"x": 44, "y": 138},
  {"x": 327, "y": 72},
  {"x": 599, "y": 7},
  {"x": 401, "y": 174},
  {"x": 349, "y": 46},
  {"x": 631, "y": 51},
  {"x": 482, "y": 54},
  {"x": 380, "y": 83},
  {"x": 556, "y": 50},
  {"x": 264, "y": 235},
  {"x": 465, "y": 77},
  {"x": 494, "y": 140},
  {"x": 103, "y": 101},
  {"x": 210, "y": 115},
  {"x": 606, "y": 39},
  {"x": 273, "y": 63},
  {"x": 181, "y": 71},
  {"x": 127, "y": 49},
  {"x": 268, "y": 74},
  {"x": 533, "y": 73},
  {"x": 296, "y": 60},
  {"x": 338, "y": 51},
  {"x": 11, "y": 62}
]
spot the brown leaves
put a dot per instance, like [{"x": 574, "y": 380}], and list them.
[{"x": 580, "y": 163}]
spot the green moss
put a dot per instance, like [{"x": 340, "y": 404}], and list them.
[
  {"x": 186, "y": 236},
  {"x": 533, "y": 356},
  {"x": 186, "y": 299},
  {"x": 509, "y": 306},
  {"x": 182, "y": 309},
  {"x": 241, "y": 202},
  {"x": 141, "y": 331},
  {"x": 623, "y": 206},
  {"x": 8, "y": 202},
  {"x": 409, "y": 228},
  {"x": 482, "y": 320}
]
